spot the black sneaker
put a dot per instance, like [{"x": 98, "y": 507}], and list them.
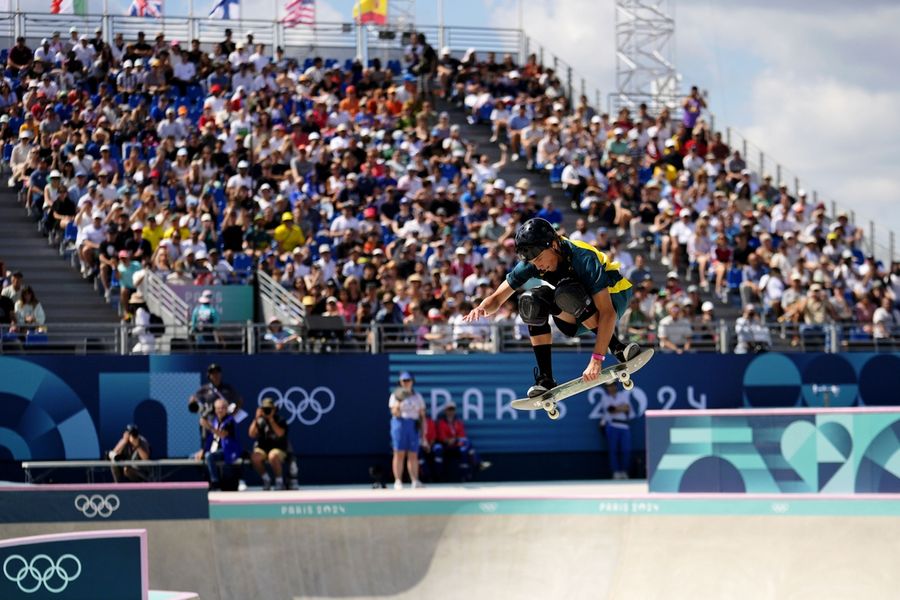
[
  {"x": 628, "y": 352},
  {"x": 542, "y": 383}
]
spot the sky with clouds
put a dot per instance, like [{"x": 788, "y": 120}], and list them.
[{"x": 817, "y": 89}]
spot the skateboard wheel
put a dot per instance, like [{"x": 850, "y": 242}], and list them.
[
  {"x": 628, "y": 385},
  {"x": 623, "y": 376},
  {"x": 548, "y": 405},
  {"x": 553, "y": 414}
]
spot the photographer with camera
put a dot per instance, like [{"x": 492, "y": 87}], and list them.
[
  {"x": 270, "y": 432},
  {"x": 202, "y": 400},
  {"x": 132, "y": 446},
  {"x": 220, "y": 443}
]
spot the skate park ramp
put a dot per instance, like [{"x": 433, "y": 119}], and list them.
[{"x": 572, "y": 541}]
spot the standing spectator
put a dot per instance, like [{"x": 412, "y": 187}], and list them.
[
  {"x": 142, "y": 330},
  {"x": 675, "y": 331},
  {"x": 752, "y": 274},
  {"x": 752, "y": 334},
  {"x": 220, "y": 444},
  {"x": 204, "y": 321},
  {"x": 271, "y": 446},
  {"x": 455, "y": 444},
  {"x": 127, "y": 268},
  {"x": 693, "y": 105},
  {"x": 133, "y": 446},
  {"x": 886, "y": 320},
  {"x": 29, "y": 312},
  {"x": 425, "y": 69},
  {"x": 616, "y": 414},
  {"x": 407, "y": 415},
  {"x": 13, "y": 291}
]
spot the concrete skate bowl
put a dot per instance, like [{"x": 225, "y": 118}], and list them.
[{"x": 485, "y": 545}]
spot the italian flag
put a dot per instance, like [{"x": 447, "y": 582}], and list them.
[{"x": 68, "y": 7}]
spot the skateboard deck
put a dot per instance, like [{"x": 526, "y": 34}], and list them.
[{"x": 620, "y": 372}]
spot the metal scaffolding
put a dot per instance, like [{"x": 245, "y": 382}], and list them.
[
  {"x": 402, "y": 15},
  {"x": 645, "y": 54}
]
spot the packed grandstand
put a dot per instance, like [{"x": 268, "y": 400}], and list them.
[{"x": 354, "y": 187}]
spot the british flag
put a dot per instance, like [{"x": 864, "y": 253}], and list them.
[
  {"x": 299, "y": 12},
  {"x": 146, "y": 8}
]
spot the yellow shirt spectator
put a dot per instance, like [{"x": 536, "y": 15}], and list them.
[
  {"x": 153, "y": 233},
  {"x": 184, "y": 231},
  {"x": 288, "y": 235}
]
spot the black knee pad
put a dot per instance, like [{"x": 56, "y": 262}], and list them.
[
  {"x": 536, "y": 330},
  {"x": 566, "y": 328},
  {"x": 536, "y": 306},
  {"x": 571, "y": 297}
]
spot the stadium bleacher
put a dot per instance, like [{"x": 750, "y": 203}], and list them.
[{"x": 358, "y": 188}]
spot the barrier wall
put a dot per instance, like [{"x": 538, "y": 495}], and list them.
[
  {"x": 56, "y": 407},
  {"x": 100, "y": 565},
  {"x": 775, "y": 451}
]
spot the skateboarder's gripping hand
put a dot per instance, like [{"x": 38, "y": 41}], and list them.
[{"x": 595, "y": 365}]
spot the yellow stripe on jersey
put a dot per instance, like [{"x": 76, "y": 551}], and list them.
[
  {"x": 609, "y": 266},
  {"x": 621, "y": 285}
]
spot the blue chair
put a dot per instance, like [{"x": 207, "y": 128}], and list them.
[
  {"x": 195, "y": 94},
  {"x": 7, "y": 152},
  {"x": 36, "y": 338},
  {"x": 484, "y": 114},
  {"x": 449, "y": 172},
  {"x": 556, "y": 174},
  {"x": 733, "y": 279},
  {"x": 242, "y": 263}
]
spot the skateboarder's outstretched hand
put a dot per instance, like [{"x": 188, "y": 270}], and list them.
[{"x": 476, "y": 313}]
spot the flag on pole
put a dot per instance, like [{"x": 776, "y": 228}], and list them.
[
  {"x": 145, "y": 8},
  {"x": 299, "y": 12},
  {"x": 68, "y": 7},
  {"x": 370, "y": 12},
  {"x": 222, "y": 9}
]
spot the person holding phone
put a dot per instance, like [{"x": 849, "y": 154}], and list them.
[{"x": 270, "y": 432}]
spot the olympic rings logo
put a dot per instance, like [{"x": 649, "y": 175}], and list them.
[
  {"x": 308, "y": 408},
  {"x": 97, "y": 505},
  {"x": 42, "y": 571}
]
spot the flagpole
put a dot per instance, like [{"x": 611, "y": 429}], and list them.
[{"x": 440, "y": 7}]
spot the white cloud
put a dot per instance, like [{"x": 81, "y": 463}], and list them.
[
  {"x": 815, "y": 90},
  {"x": 579, "y": 32}
]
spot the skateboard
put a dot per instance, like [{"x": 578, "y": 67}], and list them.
[{"x": 620, "y": 372}]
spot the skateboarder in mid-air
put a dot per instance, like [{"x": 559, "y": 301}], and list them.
[{"x": 588, "y": 294}]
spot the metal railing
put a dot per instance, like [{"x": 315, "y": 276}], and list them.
[
  {"x": 333, "y": 337},
  {"x": 878, "y": 240},
  {"x": 276, "y": 301}
]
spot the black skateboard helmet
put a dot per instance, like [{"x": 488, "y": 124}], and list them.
[{"x": 535, "y": 236}]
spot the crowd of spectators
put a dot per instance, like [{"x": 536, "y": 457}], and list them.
[{"x": 346, "y": 185}]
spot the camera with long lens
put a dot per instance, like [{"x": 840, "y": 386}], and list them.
[{"x": 204, "y": 409}]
